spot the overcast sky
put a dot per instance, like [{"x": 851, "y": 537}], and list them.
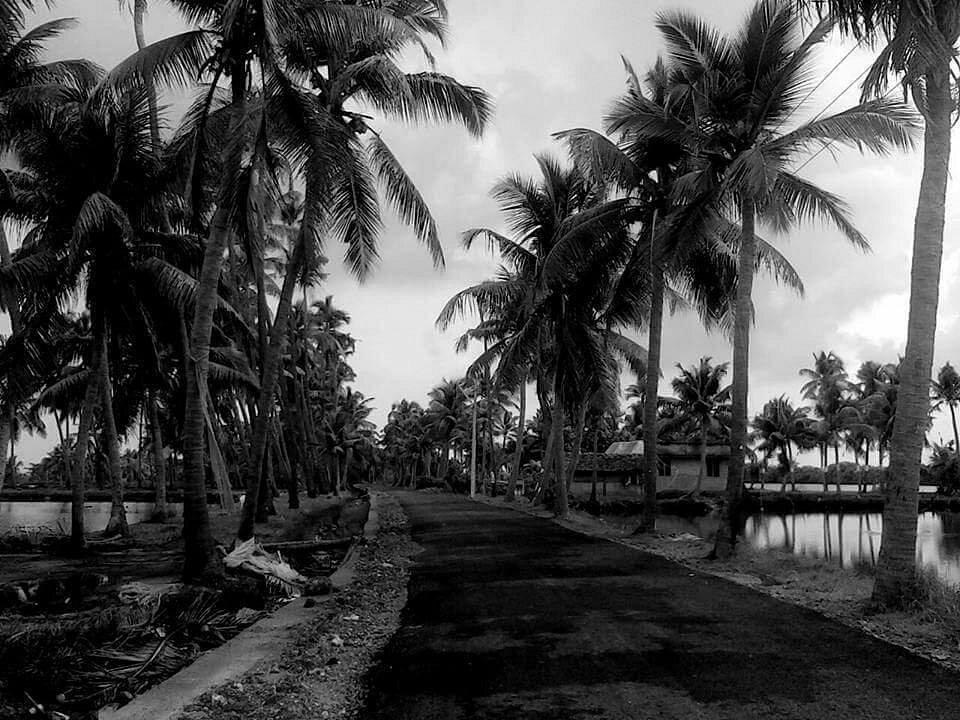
[{"x": 552, "y": 65}]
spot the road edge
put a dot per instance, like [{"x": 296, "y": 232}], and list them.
[{"x": 262, "y": 641}]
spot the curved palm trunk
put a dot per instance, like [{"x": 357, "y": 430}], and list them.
[
  {"x": 117, "y": 525},
  {"x": 159, "y": 466},
  {"x": 743, "y": 315},
  {"x": 648, "y": 522},
  {"x": 896, "y": 566},
  {"x": 515, "y": 471}
]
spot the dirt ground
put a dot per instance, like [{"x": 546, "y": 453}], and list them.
[
  {"x": 841, "y": 594},
  {"x": 322, "y": 674}
]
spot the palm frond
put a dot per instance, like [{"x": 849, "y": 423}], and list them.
[
  {"x": 433, "y": 97},
  {"x": 796, "y": 198},
  {"x": 176, "y": 62},
  {"x": 404, "y": 196}
]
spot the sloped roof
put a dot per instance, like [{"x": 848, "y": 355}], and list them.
[
  {"x": 610, "y": 462},
  {"x": 635, "y": 448}
]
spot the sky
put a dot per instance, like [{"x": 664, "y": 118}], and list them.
[{"x": 551, "y": 65}]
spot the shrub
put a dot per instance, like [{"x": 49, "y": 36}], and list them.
[{"x": 804, "y": 475}]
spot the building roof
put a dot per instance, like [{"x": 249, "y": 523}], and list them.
[{"x": 635, "y": 448}]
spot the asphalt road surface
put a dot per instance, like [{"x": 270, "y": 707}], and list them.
[{"x": 515, "y": 618}]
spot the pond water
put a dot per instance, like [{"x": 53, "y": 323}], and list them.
[
  {"x": 848, "y": 539},
  {"x": 54, "y": 516}
]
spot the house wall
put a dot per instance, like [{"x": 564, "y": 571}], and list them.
[{"x": 683, "y": 477}]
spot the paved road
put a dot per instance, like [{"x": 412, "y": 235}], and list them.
[{"x": 512, "y": 617}]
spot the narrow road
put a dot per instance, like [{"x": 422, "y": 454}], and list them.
[{"x": 513, "y": 617}]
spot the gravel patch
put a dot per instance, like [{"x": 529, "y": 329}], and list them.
[{"x": 322, "y": 673}]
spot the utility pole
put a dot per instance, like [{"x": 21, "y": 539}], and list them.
[{"x": 473, "y": 445}]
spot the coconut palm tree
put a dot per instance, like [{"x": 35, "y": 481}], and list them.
[
  {"x": 703, "y": 400},
  {"x": 779, "y": 428},
  {"x": 918, "y": 44},
  {"x": 686, "y": 255},
  {"x": 744, "y": 88},
  {"x": 373, "y": 80},
  {"x": 25, "y": 82},
  {"x": 92, "y": 185},
  {"x": 283, "y": 46},
  {"x": 826, "y": 385},
  {"x": 553, "y": 306}
]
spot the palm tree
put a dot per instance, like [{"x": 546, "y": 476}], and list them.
[
  {"x": 447, "y": 407},
  {"x": 826, "y": 384},
  {"x": 685, "y": 256},
  {"x": 374, "y": 80},
  {"x": 778, "y": 428},
  {"x": 554, "y": 307},
  {"x": 918, "y": 42},
  {"x": 744, "y": 88},
  {"x": 24, "y": 82},
  {"x": 946, "y": 391},
  {"x": 703, "y": 400},
  {"x": 282, "y": 44},
  {"x": 92, "y": 186}
]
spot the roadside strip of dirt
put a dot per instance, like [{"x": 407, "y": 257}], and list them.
[
  {"x": 840, "y": 594},
  {"x": 317, "y": 668},
  {"x": 264, "y": 641}
]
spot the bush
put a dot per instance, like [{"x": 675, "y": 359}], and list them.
[
  {"x": 934, "y": 599},
  {"x": 804, "y": 475}
]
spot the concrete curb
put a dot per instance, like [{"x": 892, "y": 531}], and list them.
[{"x": 262, "y": 641}]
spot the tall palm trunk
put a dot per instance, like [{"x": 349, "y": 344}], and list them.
[
  {"x": 703, "y": 460},
  {"x": 13, "y": 310},
  {"x": 200, "y": 560},
  {"x": 117, "y": 525},
  {"x": 77, "y": 530},
  {"x": 648, "y": 522},
  {"x": 347, "y": 461},
  {"x": 596, "y": 463},
  {"x": 6, "y": 430},
  {"x": 577, "y": 443},
  {"x": 139, "y": 10},
  {"x": 268, "y": 384},
  {"x": 896, "y": 566},
  {"x": 159, "y": 466},
  {"x": 515, "y": 471},
  {"x": 560, "y": 506},
  {"x": 956, "y": 436},
  {"x": 743, "y": 317}
]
